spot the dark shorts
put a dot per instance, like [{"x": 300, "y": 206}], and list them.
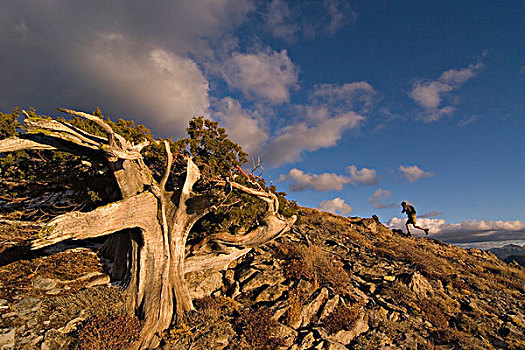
[{"x": 411, "y": 219}]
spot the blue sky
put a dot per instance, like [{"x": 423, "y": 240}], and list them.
[{"x": 353, "y": 106}]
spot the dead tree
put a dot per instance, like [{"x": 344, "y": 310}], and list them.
[{"x": 150, "y": 225}]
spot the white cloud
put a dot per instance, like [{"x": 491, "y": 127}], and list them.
[
  {"x": 321, "y": 123},
  {"x": 365, "y": 176},
  {"x": 293, "y": 140},
  {"x": 380, "y": 198},
  {"x": 280, "y": 21},
  {"x": 335, "y": 205},
  {"x": 287, "y": 19},
  {"x": 329, "y": 181},
  {"x": 243, "y": 127},
  {"x": 263, "y": 75},
  {"x": 413, "y": 173},
  {"x": 429, "y": 94},
  {"x": 467, "y": 231},
  {"x": 320, "y": 182},
  {"x": 167, "y": 88},
  {"x": 350, "y": 95},
  {"x": 340, "y": 13}
]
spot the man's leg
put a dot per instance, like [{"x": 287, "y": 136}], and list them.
[
  {"x": 423, "y": 229},
  {"x": 408, "y": 229}
]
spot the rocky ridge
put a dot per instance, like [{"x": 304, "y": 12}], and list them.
[{"x": 329, "y": 283}]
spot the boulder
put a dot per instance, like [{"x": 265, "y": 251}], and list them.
[
  {"x": 7, "y": 338},
  {"x": 418, "y": 284},
  {"x": 346, "y": 336},
  {"x": 203, "y": 283},
  {"x": 312, "y": 309},
  {"x": 44, "y": 283}
]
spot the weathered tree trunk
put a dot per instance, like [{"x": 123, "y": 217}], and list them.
[{"x": 149, "y": 226}]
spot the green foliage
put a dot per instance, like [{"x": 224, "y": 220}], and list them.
[
  {"x": 9, "y": 124},
  {"x": 221, "y": 159},
  {"x": 212, "y": 151}
]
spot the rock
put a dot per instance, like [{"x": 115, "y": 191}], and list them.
[
  {"x": 229, "y": 277},
  {"x": 261, "y": 278},
  {"x": 288, "y": 334},
  {"x": 7, "y": 338},
  {"x": 279, "y": 310},
  {"x": 389, "y": 278},
  {"x": 27, "y": 305},
  {"x": 203, "y": 283},
  {"x": 10, "y": 314},
  {"x": 101, "y": 280},
  {"x": 346, "y": 336},
  {"x": 54, "y": 291},
  {"x": 28, "y": 340},
  {"x": 74, "y": 323},
  {"x": 245, "y": 274},
  {"x": 44, "y": 283},
  {"x": 308, "y": 341},
  {"x": 418, "y": 284},
  {"x": 234, "y": 290},
  {"x": 54, "y": 340},
  {"x": 312, "y": 309},
  {"x": 329, "y": 307},
  {"x": 335, "y": 346},
  {"x": 271, "y": 293}
]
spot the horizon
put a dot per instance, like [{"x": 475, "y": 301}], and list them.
[{"x": 353, "y": 107}]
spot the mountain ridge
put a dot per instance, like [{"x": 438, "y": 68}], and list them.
[{"x": 330, "y": 283}]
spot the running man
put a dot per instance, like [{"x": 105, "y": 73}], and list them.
[{"x": 411, "y": 213}]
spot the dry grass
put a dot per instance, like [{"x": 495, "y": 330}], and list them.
[
  {"x": 109, "y": 333},
  {"x": 313, "y": 264},
  {"x": 343, "y": 317},
  {"x": 421, "y": 258},
  {"x": 256, "y": 330},
  {"x": 18, "y": 276},
  {"x": 204, "y": 327},
  {"x": 433, "y": 313}
]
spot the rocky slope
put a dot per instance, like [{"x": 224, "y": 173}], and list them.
[{"x": 330, "y": 283}]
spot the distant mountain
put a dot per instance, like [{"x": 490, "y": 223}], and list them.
[
  {"x": 520, "y": 259},
  {"x": 510, "y": 252}
]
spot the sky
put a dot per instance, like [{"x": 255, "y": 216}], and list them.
[{"x": 351, "y": 106}]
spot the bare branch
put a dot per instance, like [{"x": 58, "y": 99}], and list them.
[
  {"x": 215, "y": 262},
  {"x": 109, "y": 131},
  {"x": 268, "y": 197},
  {"x": 255, "y": 167},
  {"x": 136, "y": 211},
  {"x": 168, "y": 165},
  {"x": 13, "y": 144}
]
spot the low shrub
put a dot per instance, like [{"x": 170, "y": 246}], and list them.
[
  {"x": 433, "y": 314},
  {"x": 256, "y": 330},
  {"x": 343, "y": 317},
  {"x": 109, "y": 333},
  {"x": 313, "y": 264}
]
